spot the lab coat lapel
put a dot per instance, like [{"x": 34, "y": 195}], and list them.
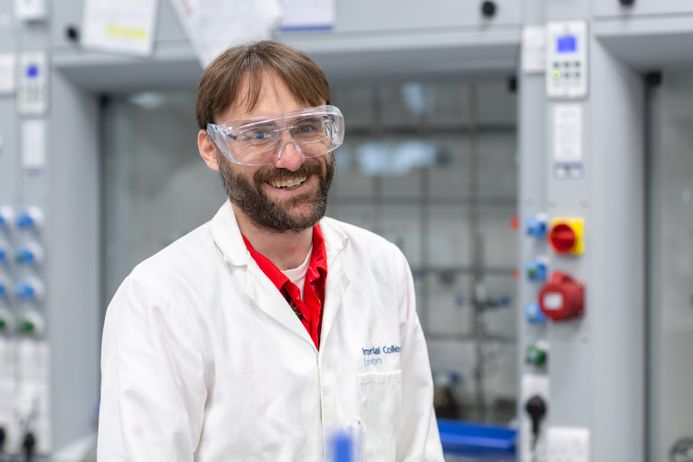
[
  {"x": 335, "y": 289},
  {"x": 337, "y": 279},
  {"x": 265, "y": 296},
  {"x": 260, "y": 290},
  {"x": 227, "y": 236}
]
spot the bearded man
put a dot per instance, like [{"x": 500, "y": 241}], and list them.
[{"x": 266, "y": 331}]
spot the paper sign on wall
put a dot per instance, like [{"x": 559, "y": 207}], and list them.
[
  {"x": 124, "y": 26},
  {"x": 7, "y": 73},
  {"x": 34, "y": 144},
  {"x": 567, "y": 140},
  {"x": 215, "y": 25},
  {"x": 308, "y": 15},
  {"x": 30, "y": 10},
  {"x": 533, "y": 49},
  {"x": 567, "y": 132}
]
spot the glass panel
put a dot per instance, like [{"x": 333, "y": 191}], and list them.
[
  {"x": 156, "y": 187},
  {"x": 351, "y": 181},
  {"x": 671, "y": 334},
  {"x": 498, "y": 240},
  {"x": 448, "y": 242},
  {"x": 497, "y": 167},
  {"x": 441, "y": 156},
  {"x": 399, "y": 224},
  {"x": 451, "y": 176}
]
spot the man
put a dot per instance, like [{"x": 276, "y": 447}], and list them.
[{"x": 263, "y": 332}]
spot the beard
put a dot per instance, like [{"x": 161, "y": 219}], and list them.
[{"x": 248, "y": 196}]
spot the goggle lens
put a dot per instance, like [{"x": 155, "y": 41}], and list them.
[{"x": 317, "y": 131}]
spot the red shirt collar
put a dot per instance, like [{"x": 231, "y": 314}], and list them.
[{"x": 317, "y": 268}]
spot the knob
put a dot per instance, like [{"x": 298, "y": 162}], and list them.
[
  {"x": 536, "y": 408},
  {"x": 536, "y": 226},
  {"x": 566, "y": 236},
  {"x": 627, "y": 2},
  {"x": 29, "y": 446},
  {"x": 536, "y": 355},
  {"x": 30, "y": 253},
  {"x": 536, "y": 270},
  {"x": 488, "y": 9},
  {"x": 29, "y": 290},
  {"x": 31, "y": 323},
  {"x": 534, "y": 315},
  {"x": 29, "y": 219}
]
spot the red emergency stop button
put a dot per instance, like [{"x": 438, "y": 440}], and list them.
[
  {"x": 566, "y": 236},
  {"x": 562, "y": 298}
]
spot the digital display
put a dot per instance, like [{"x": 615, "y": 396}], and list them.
[{"x": 566, "y": 44}]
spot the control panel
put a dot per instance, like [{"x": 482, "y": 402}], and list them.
[
  {"x": 24, "y": 351},
  {"x": 554, "y": 242},
  {"x": 567, "y": 72},
  {"x": 583, "y": 328},
  {"x": 32, "y": 97}
]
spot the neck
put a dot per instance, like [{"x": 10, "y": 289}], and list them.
[{"x": 286, "y": 250}]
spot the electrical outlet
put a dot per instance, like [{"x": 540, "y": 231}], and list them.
[
  {"x": 568, "y": 444},
  {"x": 533, "y": 385}
]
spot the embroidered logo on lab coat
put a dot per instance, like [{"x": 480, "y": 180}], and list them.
[{"x": 374, "y": 356}]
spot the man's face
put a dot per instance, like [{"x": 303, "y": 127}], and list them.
[
  {"x": 284, "y": 210},
  {"x": 291, "y": 194}
]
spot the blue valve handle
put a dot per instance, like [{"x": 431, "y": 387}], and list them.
[
  {"x": 25, "y": 221},
  {"x": 26, "y": 291},
  {"x": 534, "y": 314},
  {"x": 25, "y": 255},
  {"x": 536, "y": 227},
  {"x": 536, "y": 270}
]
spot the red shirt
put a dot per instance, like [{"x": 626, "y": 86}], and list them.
[{"x": 308, "y": 309}]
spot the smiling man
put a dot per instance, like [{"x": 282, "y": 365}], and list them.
[{"x": 269, "y": 329}]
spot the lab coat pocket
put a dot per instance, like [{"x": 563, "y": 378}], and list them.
[{"x": 381, "y": 400}]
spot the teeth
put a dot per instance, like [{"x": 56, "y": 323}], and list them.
[{"x": 288, "y": 182}]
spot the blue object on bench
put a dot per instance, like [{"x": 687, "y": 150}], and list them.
[{"x": 472, "y": 439}]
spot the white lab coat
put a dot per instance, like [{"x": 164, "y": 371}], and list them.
[{"x": 203, "y": 360}]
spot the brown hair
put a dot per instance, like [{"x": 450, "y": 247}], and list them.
[{"x": 242, "y": 67}]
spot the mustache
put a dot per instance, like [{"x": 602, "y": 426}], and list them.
[{"x": 272, "y": 174}]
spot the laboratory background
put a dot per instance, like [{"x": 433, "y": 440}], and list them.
[{"x": 532, "y": 159}]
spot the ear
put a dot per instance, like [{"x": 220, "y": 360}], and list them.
[{"x": 208, "y": 151}]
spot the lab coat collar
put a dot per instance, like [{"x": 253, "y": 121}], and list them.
[
  {"x": 227, "y": 236},
  {"x": 229, "y": 240},
  {"x": 337, "y": 276},
  {"x": 335, "y": 239}
]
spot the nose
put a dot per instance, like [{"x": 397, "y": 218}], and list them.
[{"x": 290, "y": 156}]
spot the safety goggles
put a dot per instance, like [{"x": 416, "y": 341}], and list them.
[{"x": 314, "y": 132}]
